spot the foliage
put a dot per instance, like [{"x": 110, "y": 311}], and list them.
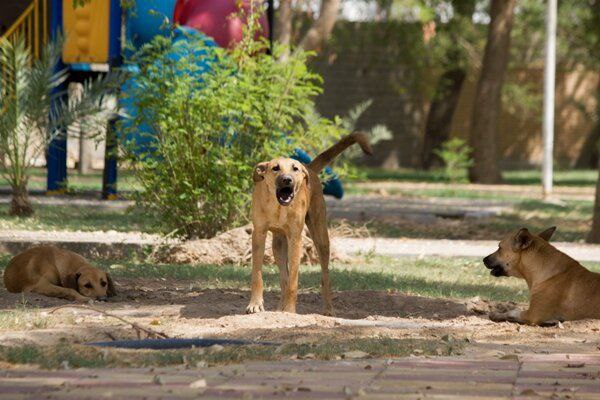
[
  {"x": 35, "y": 112},
  {"x": 456, "y": 156},
  {"x": 209, "y": 132},
  {"x": 376, "y": 133}
]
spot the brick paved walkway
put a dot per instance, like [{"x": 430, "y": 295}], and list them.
[{"x": 574, "y": 376}]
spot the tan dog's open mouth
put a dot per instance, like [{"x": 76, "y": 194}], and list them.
[
  {"x": 285, "y": 195},
  {"x": 497, "y": 271}
]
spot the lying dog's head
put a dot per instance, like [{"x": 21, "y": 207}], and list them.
[
  {"x": 283, "y": 177},
  {"x": 506, "y": 261},
  {"x": 91, "y": 282}
]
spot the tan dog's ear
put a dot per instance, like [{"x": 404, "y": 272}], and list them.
[
  {"x": 110, "y": 290},
  {"x": 522, "y": 239},
  {"x": 305, "y": 171},
  {"x": 71, "y": 281},
  {"x": 259, "y": 171},
  {"x": 547, "y": 234}
]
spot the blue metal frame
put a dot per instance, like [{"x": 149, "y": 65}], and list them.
[
  {"x": 114, "y": 49},
  {"x": 109, "y": 176},
  {"x": 56, "y": 154}
]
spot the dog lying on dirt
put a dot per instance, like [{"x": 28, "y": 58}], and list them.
[
  {"x": 287, "y": 194},
  {"x": 560, "y": 288},
  {"x": 55, "y": 272}
]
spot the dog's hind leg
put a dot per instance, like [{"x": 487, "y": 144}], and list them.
[
  {"x": 294, "y": 251},
  {"x": 258, "y": 254},
  {"x": 318, "y": 232},
  {"x": 281, "y": 259}
]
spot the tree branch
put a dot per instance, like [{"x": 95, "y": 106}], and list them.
[{"x": 320, "y": 30}]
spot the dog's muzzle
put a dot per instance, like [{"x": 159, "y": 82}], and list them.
[
  {"x": 496, "y": 270},
  {"x": 285, "y": 190}
]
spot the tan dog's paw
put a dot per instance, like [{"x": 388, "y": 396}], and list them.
[
  {"x": 84, "y": 299},
  {"x": 498, "y": 316},
  {"x": 290, "y": 309},
  {"x": 255, "y": 307},
  {"x": 329, "y": 312}
]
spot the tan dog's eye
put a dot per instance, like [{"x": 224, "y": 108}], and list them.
[
  {"x": 276, "y": 168},
  {"x": 88, "y": 285},
  {"x": 103, "y": 283},
  {"x": 295, "y": 168}
]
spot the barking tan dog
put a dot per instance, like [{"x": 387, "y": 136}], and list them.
[
  {"x": 54, "y": 272},
  {"x": 560, "y": 288},
  {"x": 287, "y": 194}
]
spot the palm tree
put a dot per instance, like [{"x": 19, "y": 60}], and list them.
[{"x": 33, "y": 111}]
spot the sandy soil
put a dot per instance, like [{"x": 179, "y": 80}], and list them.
[{"x": 181, "y": 310}]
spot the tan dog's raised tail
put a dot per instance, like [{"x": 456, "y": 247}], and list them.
[
  {"x": 287, "y": 194},
  {"x": 55, "y": 272},
  {"x": 560, "y": 288}
]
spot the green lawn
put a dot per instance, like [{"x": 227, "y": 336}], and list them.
[
  {"x": 573, "y": 220},
  {"x": 80, "y": 356},
  {"x": 77, "y": 182},
  {"x": 514, "y": 177},
  {"x": 457, "y": 277},
  {"x": 78, "y": 218}
]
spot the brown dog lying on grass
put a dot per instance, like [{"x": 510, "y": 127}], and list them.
[
  {"x": 287, "y": 194},
  {"x": 54, "y": 272},
  {"x": 560, "y": 288}
]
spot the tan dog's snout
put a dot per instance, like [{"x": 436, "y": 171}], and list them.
[
  {"x": 285, "y": 189},
  {"x": 496, "y": 268}
]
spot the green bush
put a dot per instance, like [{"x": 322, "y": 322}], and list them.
[
  {"x": 210, "y": 131},
  {"x": 456, "y": 156}
]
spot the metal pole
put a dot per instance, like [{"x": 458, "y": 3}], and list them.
[{"x": 549, "y": 82}]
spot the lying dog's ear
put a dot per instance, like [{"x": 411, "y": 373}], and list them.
[
  {"x": 547, "y": 234},
  {"x": 110, "y": 290},
  {"x": 522, "y": 239},
  {"x": 71, "y": 281},
  {"x": 259, "y": 171}
]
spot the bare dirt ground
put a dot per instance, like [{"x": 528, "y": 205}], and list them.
[{"x": 179, "y": 310}]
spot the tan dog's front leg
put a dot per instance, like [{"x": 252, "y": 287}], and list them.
[
  {"x": 294, "y": 256},
  {"x": 281, "y": 259},
  {"x": 509, "y": 316},
  {"x": 539, "y": 313},
  {"x": 48, "y": 289},
  {"x": 258, "y": 253}
]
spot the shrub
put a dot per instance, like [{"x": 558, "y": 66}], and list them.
[
  {"x": 208, "y": 132},
  {"x": 34, "y": 111},
  {"x": 456, "y": 156}
]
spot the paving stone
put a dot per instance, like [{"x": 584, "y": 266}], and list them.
[{"x": 442, "y": 378}]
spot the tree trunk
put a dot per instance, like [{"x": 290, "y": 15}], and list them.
[
  {"x": 320, "y": 30},
  {"x": 588, "y": 156},
  {"x": 283, "y": 25},
  {"x": 447, "y": 92},
  {"x": 439, "y": 118},
  {"x": 594, "y": 234},
  {"x": 487, "y": 105},
  {"x": 20, "y": 205}
]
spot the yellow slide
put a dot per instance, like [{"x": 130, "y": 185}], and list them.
[{"x": 86, "y": 30}]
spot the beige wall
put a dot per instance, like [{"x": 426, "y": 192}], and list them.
[{"x": 520, "y": 129}]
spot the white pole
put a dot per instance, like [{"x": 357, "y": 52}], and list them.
[{"x": 549, "y": 82}]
